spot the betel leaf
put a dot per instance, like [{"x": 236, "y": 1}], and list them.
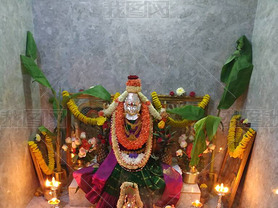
[
  {"x": 97, "y": 91},
  {"x": 31, "y": 48},
  {"x": 204, "y": 129},
  {"x": 189, "y": 112},
  {"x": 34, "y": 71},
  {"x": 236, "y": 73}
]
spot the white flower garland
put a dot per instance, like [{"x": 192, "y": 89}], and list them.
[
  {"x": 130, "y": 163},
  {"x": 112, "y": 107},
  {"x": 152, "y": 110}
]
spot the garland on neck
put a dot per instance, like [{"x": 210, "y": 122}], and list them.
[
  {"x": 120, "y": 130},
  {"x": 130, "y": 165}
]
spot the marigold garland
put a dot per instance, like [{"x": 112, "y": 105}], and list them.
[
  {"x": 156, "y": 101},
  {"x": 234, "y": 136},
  {"x": 120, "y": 131},
  {"x": 178, "y": 123},
  {"x": 117, "y": 94},
  {"x": 47, "y": 169},
  {"x": 204, "y": 102},
  {"x": 80, "y": 116},
  {"x": 117, "y": 151}
]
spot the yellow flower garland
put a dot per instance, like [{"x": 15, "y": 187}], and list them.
[
  {"x": 204, "y": 102},
  {"x": 178, "y": 123},
  {"x": 47, "y": 170},
  {"x": 117, "y": 94},
  {"x": 234, "y": 135},
  {"x": 156, "y": 101},
  {"x": 80, "y": 116}
]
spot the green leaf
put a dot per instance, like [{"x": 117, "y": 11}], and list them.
[
  {"x": 189, "y": 112},
  {"x": 34, "y": 71},
  {"x": 204, "y": 128},
  {"x": 31, "y": 48},
  {"x": 48, "y": 132},
  {"x": 97, "y": 91},
  {"x": 236, "y": 73},
  {"x": 74, "y": 159}
]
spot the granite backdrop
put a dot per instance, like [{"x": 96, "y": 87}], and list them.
[
  {"x": 261, "y": 109},
  {"x": 19, "y": 107},
  {"x": 169, "y": 44}
]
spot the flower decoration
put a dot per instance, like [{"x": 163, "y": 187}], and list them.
[
  {"x": 83, "y": 135},
  {"x": 180, "y": 91},
  {"x": 38, "y": 138},
  {"x": 83, "y": 149},
  {"x": 171, "y": 93},
  {"x": 65, "y": 147},
  {"x": 192, "y": 94},
  {"x": 179, "y": 153},
  {"x": 68, "y": 140}
]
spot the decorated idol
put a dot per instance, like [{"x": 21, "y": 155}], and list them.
[{"x": 131, "y": 139}]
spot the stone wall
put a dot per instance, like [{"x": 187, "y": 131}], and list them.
[
  {"x": 18, "y": 179},
  {"x": 261, "y": 109},
  {"x": 169, "y": 44}
]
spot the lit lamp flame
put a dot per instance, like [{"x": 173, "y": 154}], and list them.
[
  {"x": 221, "y": 189},
  {"x": 197, "y": 203},
  {"x": 54, "y": 201},
  {"x": 52, "y": 184}
]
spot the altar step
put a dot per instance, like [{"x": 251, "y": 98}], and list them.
[{"x": 189, "y": 193}]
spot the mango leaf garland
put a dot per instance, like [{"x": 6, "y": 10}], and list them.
[
  {"x": 189, "y": 112},
  {"x": 204, "y": 128},
  {"x": 236, "y": 73},
  {"x": 31, "y": 47},
  {"x": 44, "y": 129}
]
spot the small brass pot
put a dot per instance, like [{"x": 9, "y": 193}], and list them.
[{"x": 190, "y": 177}]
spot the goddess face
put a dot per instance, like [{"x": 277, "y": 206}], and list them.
[{"x": 132, "y": 106}]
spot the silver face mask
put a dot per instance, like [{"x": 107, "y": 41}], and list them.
[{"x": 132, "y": 106}]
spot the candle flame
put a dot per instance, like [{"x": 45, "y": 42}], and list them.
[
  {"x": 221, "y": 189},
  {"x": 47, "y": 183}
]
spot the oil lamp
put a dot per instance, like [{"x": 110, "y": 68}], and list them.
[
  {"x": 221, "y": 191},
  {"x": 53, "y": 186},
  {"x": 197, "y": 203}
]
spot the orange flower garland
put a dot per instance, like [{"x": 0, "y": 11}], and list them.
[{"x": 120, "y": 130}]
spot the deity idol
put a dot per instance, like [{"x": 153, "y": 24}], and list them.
[{"x": 131, "y": 139}]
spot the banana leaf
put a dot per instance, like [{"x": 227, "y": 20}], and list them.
[
  {"x": 236, "y": 73},
  {"x": 96, "y": 91},
  {"x": 205, "y": 129},
  {"x": 44, "y": 129},
  {"x": 188, "y": 112},
  {"x": 34, "y": 71},
  {"x": 31, "y": 48}
]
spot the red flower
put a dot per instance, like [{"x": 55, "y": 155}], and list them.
[
  {"x": 73, "y": 150},
  {"x": 192, "y": 94},
  {"x": 81, "y": 90},
  {"x": 159, "y": 140},
  {"x": 103, "y": 141},
  {"x": 105, "y": 125},
  {"x": 189, "y": 149},
  {"x": 85, "y": 144},
  {"x": 172, "y": 93},
  {"x": 99, "y": 136}
]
